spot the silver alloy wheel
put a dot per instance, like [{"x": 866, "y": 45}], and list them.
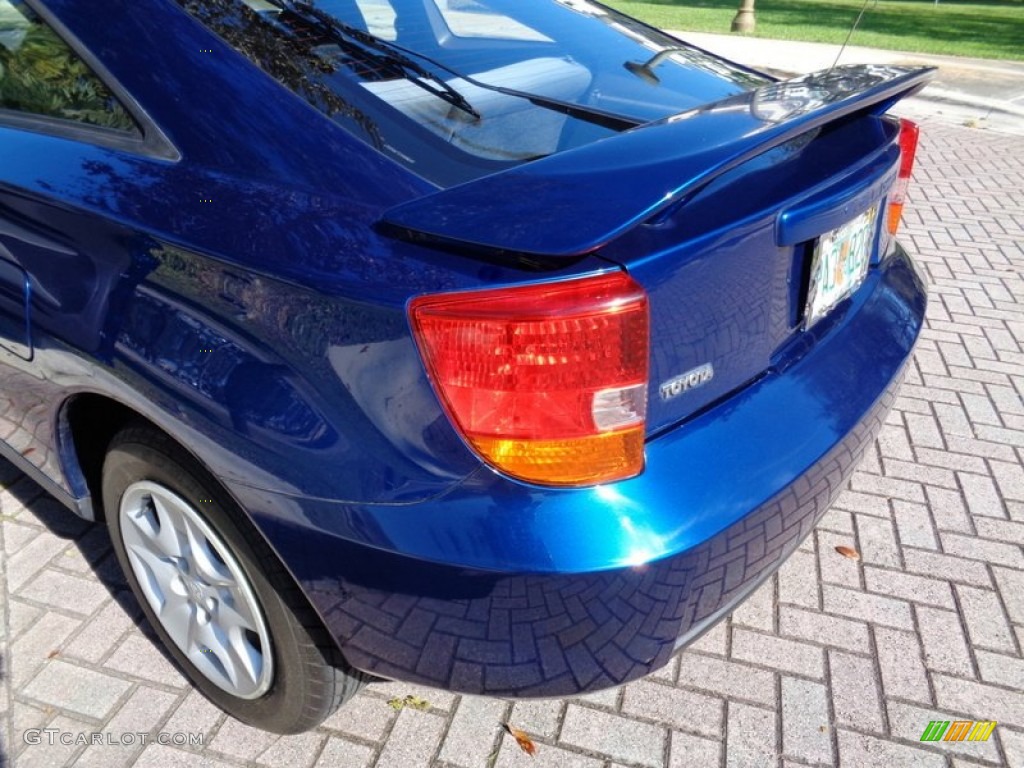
[{"x": 197, "y": 589}]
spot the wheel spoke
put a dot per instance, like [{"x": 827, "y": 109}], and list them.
[
  {"x": 201, "y": 559},
  {"x": 244, "y": 659},
  {"x": 177, "y": 615},
  {"x": 234, "y": 619},
  {"x": 167, "y": 538},
  {"x": 236, "y": 659},
  {"x": 200, "y": 634},
  {"x": 160, "y": 569},
  {"x": 143, "y": 527},
  {"x": 206, "y": 638}
]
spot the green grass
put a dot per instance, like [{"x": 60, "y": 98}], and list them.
[{"x": 991, "y": 29}]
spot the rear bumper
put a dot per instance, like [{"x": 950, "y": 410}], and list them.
[{"x": 504, "y": 589}]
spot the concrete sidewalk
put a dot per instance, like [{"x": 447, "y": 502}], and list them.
[{"x": 984, "y": 93}]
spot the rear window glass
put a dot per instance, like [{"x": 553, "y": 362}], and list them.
[
  {"x": 41, "y": 75},
  {"x": 455, "y": 89}
]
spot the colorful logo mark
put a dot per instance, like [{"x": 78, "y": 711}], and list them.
[{"x": 958, "y": 730}]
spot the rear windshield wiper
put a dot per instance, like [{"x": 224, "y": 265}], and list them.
[
  {"x": 388, "y": 58},
  {"x": 612, "y": 120}
]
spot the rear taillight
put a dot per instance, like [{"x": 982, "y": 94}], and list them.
[
  {"x": 908, "y": 148},
  {"x": 547, "y": 382}
]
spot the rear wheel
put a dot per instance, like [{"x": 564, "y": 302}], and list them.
[{"x": 216, "y": 594}]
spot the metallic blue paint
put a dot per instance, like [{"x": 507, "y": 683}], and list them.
[
  {"x": 492, "y": 589},
  {"x": 830, "y": 208},
  {"x": 235, "y": 289}
]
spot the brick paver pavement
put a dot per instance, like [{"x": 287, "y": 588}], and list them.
[{"x": 834, "y": 661}]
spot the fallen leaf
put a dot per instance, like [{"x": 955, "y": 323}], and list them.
[
  {"x": 52, "y": 653},
  {"x": 525, "y": 742},
  {"x": 849, "y": 552},
  {"x": 417, "y": 703},
  {"x": 414, "y": 702}
]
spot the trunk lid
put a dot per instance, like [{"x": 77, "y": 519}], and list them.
[
  {"x": 728, "y": 271},
  {"x": 574, "y": 202},
  {"x": 715, "y": 212}
]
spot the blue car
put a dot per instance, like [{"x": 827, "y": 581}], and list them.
[{"x": 501, "y": 346}]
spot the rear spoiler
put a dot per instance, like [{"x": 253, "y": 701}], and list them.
[{"x": 571, "y": 203}]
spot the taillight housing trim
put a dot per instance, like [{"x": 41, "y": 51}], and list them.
[
  {"x": 547, "y": 382},
  {"x": 908, "y": 138}
]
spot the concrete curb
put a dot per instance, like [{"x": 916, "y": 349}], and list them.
[
  {"x": 962, "y": 81},
  {"x": 944, "y": 95}
]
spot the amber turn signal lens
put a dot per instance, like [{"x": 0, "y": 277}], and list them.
[{"x": 589, "y": 460}]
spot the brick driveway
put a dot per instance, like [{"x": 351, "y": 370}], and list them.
[{"x": 833, "y": 661}]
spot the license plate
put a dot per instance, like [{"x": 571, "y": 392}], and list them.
[{"x": 840, "y": 263}]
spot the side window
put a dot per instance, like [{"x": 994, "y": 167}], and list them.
[{"x": 41, "y": 75}]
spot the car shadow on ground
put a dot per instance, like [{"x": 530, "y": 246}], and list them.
[{"x": 24, "y": 502}]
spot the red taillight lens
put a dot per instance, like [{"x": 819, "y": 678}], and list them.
[
  {"x": 547, "y": 382},
  {"x": 908, "y": 148}
]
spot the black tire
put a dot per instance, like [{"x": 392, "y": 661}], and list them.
[{"x": 309, "y": 678}]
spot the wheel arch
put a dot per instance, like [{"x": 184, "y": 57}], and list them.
[
  {"x": 86, "y": 423},
  {"x": 147, "y": 459}
]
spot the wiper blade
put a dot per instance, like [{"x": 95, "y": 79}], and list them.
[
  {"x": 604, "y": 118},
  {"x": 391, "y": 58},
  {"x": 612, "y": 120}
]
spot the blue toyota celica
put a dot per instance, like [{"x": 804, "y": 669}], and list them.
[{"x": 502, "y": 346}]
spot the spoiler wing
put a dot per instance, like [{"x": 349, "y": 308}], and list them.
[{"x": 574, "y": 202}]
